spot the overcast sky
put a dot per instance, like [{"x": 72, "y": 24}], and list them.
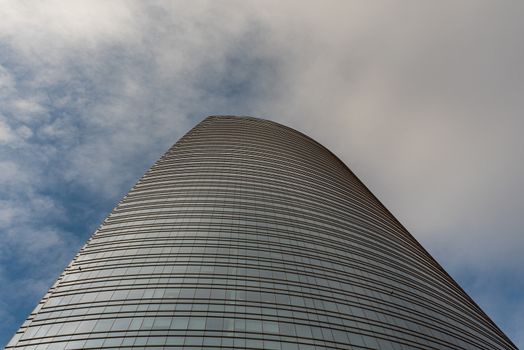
[{"x": 423, "y": 100}]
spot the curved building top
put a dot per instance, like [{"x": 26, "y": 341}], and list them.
[{"x": 247, "y": 234}]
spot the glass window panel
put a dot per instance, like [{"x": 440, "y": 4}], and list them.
[
  {"x": 253, "y": 326},
  {"x": 271, "y": 345},
  {"x": 103, "y": 325},
  {"x": 147, "y": 323},
  {"x": 339, "y": 336},
  {"x": 180, "y": 322},
  {"x": 303, "y": 331},
  {"x": 112, "y": 342},
  {"x": 158, "y": 341},
  {"x": 254, "y": 343},
  {"x": 214, "y": 323},
  {"x": 136, "y": 323},
  {"x": 197, "y": 323},
  {"x": 162, "y": 323},
  {"x": 270, "y": 327},
  {"x": 240, "y": 324},
  {"x": 175, "y": 340},
  {"x": 289, "y": 346},
  {"x": 229, "y": 324},
  {"x": 121, "y": 324}
]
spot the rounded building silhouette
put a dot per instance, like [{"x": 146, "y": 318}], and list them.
[{"x": 247, "y": 234}]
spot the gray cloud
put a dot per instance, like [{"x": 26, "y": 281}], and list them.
[{"x": 422, "y": 100}]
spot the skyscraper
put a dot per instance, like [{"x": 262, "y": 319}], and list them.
[{"x": 247, "y": 234}]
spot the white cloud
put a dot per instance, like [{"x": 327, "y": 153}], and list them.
[
  {"x": 11, "y": 174},
  {"x": 61, "y": 26},
  {"x": 6, "y": 134},
  {"x": 24, "y": 132},
  {"x": 26, "y": 108}
]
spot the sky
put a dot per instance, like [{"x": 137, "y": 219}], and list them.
[{"x": 422, "y": 100}]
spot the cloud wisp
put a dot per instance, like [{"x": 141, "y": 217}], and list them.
[{"x": 421, "y": 100}]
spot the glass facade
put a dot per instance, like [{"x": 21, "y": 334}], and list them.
[{"x": 247, "y": 234}]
